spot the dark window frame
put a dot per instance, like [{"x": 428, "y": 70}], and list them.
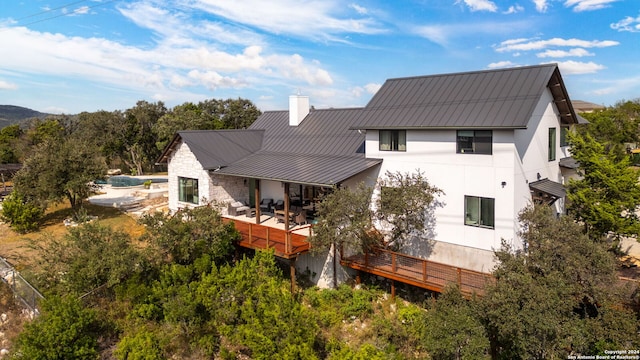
[
  {"x": 188, "y": 190},
  {"x": 480, "y": 212},
  {"x": 397, "y": 140},
  {"x": 564, "y": 130},
  {"x": 552, "y": 144},
  {"x": 478, "y": 142}
]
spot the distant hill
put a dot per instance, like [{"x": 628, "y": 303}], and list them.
[{"x": 10, "y": 114}]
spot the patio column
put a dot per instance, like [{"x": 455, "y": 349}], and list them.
[
  {"x": 257, "y": 201},
  {"x": 286, "y": 206}
]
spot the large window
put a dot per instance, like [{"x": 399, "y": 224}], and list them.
[
  {"x": 188, "y": 190},
  {"x": 479, "y": 211},
  {"x": 474, "y": 142},
  {"x": 393, "y": 140},
  {"x": 552, "y": 144}
]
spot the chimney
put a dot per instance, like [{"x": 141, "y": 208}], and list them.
[{"x": 298, "y": 109}]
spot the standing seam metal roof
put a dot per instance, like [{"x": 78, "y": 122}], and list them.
[{"x": 502, "y": 98}]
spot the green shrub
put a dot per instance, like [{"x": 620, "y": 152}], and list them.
[
  {"x": 142, "y": 345},
  {"x": 23, "y": 216}
]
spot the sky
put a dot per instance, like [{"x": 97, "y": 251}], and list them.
[{"x": 66, "y": 57}]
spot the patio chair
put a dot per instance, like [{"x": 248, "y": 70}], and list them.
[
  {"x": 237, "y": 208},
  {"x": 279, "y": 205},
  {"x": 266, "y": 204},
  {"x": 301, "y": 217}
]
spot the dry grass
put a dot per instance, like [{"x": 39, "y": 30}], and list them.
[{"x": 15, "y": 247}]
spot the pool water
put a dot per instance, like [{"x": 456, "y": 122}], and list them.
[{"x": 128, "y": 181}]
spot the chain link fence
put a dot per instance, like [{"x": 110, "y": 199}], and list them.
[{"x": 22, "y": 290}]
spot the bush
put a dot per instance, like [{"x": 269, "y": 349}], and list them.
[{"x": 23, "y": 216}]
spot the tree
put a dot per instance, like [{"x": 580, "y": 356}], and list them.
[
  {"x": 64, "y": 331},
  {"x": 60, "y": 170},
  {"x": 546, "y": 296},
  {"x": 605, "y": 198},
  {"x": 9, "y": 136},
  {"x": 88, "y": 257},
  {"x": 206, "y": 115},
  {"x": 453, "y": 329},
  {"x": 403, "y": 210},
  {"x": 21, "y": 214},
  {"x": 614, "y": 126},
  {"x": 190, "y": 233},
  {"x": 404, "y": 206}
]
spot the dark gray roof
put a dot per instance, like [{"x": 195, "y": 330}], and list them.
[
  {"x": 502, "y": 98},
  {"x": 569, "y": 163},
  {"x": 548, "y": 187},
  {"x": 321, "y": 150},
  {"x": 323, "y": 170},
  {"x": 322, "y": 132},
  {"x": 216, "y": 148}
]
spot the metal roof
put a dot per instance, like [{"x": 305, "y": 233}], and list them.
[
  {"x": 321, "y": 150},
  {"x": 216, "y": 148},
  {"x": 548, "y": 187},
  {"x": 569, "y": 163},
  {"x": 322, "y": 170},
  {"x": 503, "y": 98},
  {"x": 322, "y": 132}
]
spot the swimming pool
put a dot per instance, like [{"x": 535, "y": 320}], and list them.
[{"x": 128, "y": 181}]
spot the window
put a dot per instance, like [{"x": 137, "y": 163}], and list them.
[
  {"x": 474, "y": 142},
  {"x": 479, "y": 211},
  {"x": 188, "y": 190},
  {"x": 552, "y": 144},
  {"x": 393, "y": 140},
  {"x": 563, "y": 136}
]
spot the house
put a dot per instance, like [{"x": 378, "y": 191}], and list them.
[{"x": 492, "y": 140}]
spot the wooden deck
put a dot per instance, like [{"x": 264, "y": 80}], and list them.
[
  {"x": 418, "y": 272},
  {"x": 268, "y": 234}
]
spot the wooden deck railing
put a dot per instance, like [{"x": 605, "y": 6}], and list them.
[
  {"x": 286, "y": 244},
  {"x": 419, "y": 272}
]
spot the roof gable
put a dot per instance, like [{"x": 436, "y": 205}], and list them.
[
  {"x": 502, "y": 98},
  {"x": 216, "y": 148}
]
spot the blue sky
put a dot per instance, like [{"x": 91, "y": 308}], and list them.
[{"x": 71, "y": 56}]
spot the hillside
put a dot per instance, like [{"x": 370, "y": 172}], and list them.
[{"x": 11, "y": 114}]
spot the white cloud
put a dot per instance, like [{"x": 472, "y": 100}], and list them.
[
  {"x": 578, "y": 52},
  {"x": 81, "y": 10},
  {"x": 359, "y": 9},
  {"x": 627, "y": 24},
  {"x": 588, "y": 5},
  {"x": 541, "y": 5},
  {"x": 480, "y": 5},
  {"x": 514, "y": 9},
  {"x": 372, "y": 88},
  {"x": 314, "y": 19},
  {"x": 443, "y": 34},
  {"x": 528, "y": 44},
  {"x": 5, "y": 85},
  {"x": 577, "y": 67},
  {"x": 501, "y": 64}
]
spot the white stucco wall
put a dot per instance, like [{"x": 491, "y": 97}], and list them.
[{"x": 518, "y": 155}]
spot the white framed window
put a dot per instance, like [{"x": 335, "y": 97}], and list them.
[
  {"x": 479, "y": 211},
  {"x": 188, "y": 190},
  {"x": 393, "y": 140}
]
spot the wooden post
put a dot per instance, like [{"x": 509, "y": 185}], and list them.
[
  {"x": 286, "y": 206},
  {"x": 459, "y": 278},
  {"x": 257, "y": 200},
  {"x": 393, "y": 289},
  {"x": 393, "y": 263},
  {"x": 358, "y": 278},
  {"x": 292, "y": 271}
]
